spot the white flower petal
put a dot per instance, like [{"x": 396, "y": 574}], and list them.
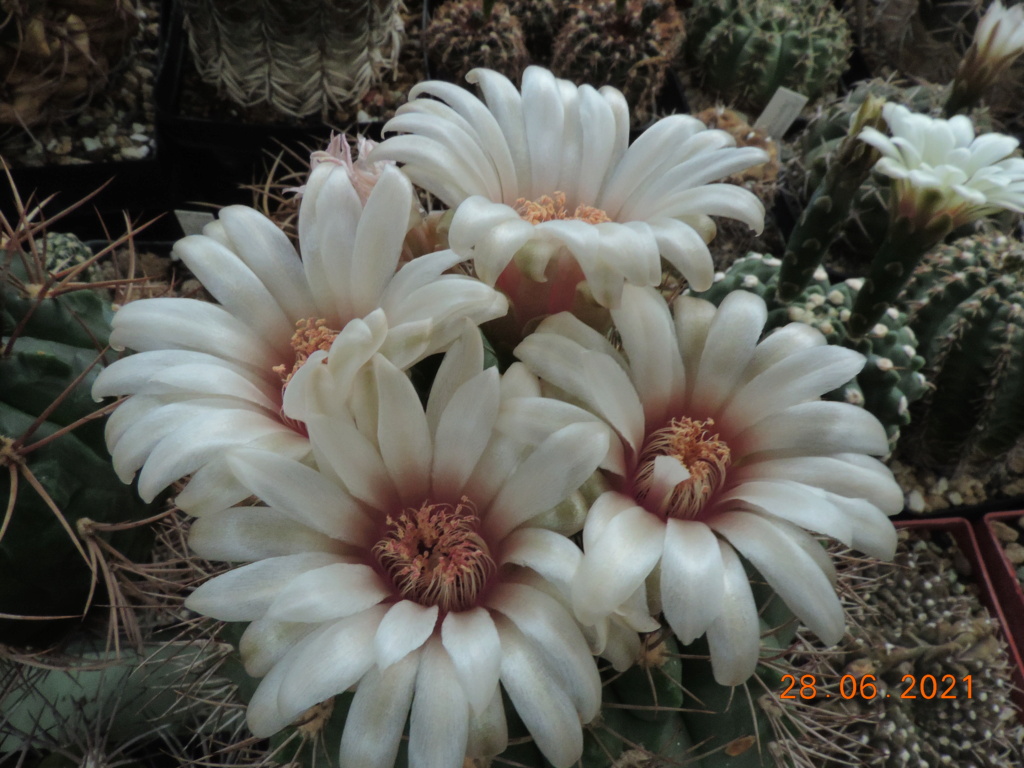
[
  {"x": 404, "y": 629},
  {"x": 301, "y": 493},
  {"x": 474, "y": 647},
  {"x": 628, "y": 549},
  {"x": 734, "y": 638},
  {"x": 544, "y": 708},
  {"x": 439, "y": 723},
  {"x": 692, "y": 578},
  {"x": 547, "y": 476},
  {"x": 402, "y": 433},
  {"x": 245, "y": 593},
  {"x": 547, "y": 623},
  {"x": 770, "y": 547},
  {"x": 377, "y": 716},
  {"x": 327, "y": 662},
  {"x": 253, "y": 533},
  {"x": 332, "y": 592}
]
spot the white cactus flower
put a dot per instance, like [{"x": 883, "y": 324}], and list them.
[
  {"x": 209, "y": 377},
  {"x": 548, "y": 193},
  {"x": 941, "y": 168},
  {"x": 724, "y": 451},
  {"x": 415, "y": 569}
]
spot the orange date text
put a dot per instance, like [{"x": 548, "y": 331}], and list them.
[{"x": 866, "y": 687}]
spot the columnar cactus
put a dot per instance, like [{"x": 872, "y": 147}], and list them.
[
  {"x": 891, "y": 378},
  {"x": 301, "y": 57},
  {"x": 631, "y": 49},
  {"x": 744, "y": 50},
  {"x": 966, "y": 306}
]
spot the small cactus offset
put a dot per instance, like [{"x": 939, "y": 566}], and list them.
[
  {"x": 744, "y": 50},
  {"x": 57, "y": 481},
  {"x": 966, "y": 305},
  {"x": 462, "y": 36},
  {"x": 891, "y": 379},
  {"x": 630, "y": 49},
  {"x": 302, "y": 57}
]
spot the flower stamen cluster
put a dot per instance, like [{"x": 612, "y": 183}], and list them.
[
  {"x": 683, "y": 446},
  {"x": 552, "y": 208},
  {"x": 311, "y": 335},
  {"x": 435, "y": 556}
]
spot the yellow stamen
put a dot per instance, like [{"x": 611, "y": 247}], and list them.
[
  {"x": 312, "y": 335},
  {"x": 435, "y": 556},
  {"x": 553, "y": 209},
  {"x": 705, "y": 457}
]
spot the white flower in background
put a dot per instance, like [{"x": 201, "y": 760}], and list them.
[
  {"x": 940, "y": 168},
  {"x": 724, "y": 450},
  {"x": 209, "y": 377},
  {"x": 1000, "y": 33},
  {"x": 413, "y": 568},
  {"x": 998, "y": 42},
  {"x": 547, "y": 192}
]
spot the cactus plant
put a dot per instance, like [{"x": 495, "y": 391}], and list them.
[
  {"x": 301, "y": 57},
  {"x": 965, "y": 304},
  {"x": 923, "y": 40},
  {"x": 744, "y": 50},
  {"x": 462, "y": 35},
  {"x": 56, "y": 477},
  {"x": 916, "y": 619},
  {"x": 630, "y": 48},
  {"x": 891, "y": 378},
  {"x": 55, "y": 54}
]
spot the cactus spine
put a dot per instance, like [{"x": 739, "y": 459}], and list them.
[{"x": 57, "y": 478}]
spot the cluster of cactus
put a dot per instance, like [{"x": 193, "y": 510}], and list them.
[
  {"x": 915, "y": 619},
  {"x": 57, "y": 477},
  {"x": 744, "y": 50},
  {"x": 55, "y": 54},
  {"x": 631, "y": 47},
  {"x": 462, "y": 36},
  {"x": 966, "y": 305},
  {"x": 301, "y": 57},
  {"x": 891, "y": 379}
]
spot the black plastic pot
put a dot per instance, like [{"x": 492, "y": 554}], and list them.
[{"x": 210, "y": 159}]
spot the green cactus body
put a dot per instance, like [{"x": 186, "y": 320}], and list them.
[
  {"x": 631, "y": 50},
  {"x": 460, "y": 37},
  {"x": 57, "y": 341},
  {"x": 966, "y": 305},
  {"x": 891, "y": 378},
  {"x": 744, "y": 50}
]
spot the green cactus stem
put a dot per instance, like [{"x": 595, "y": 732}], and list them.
[
  {"x": 904, "y": 246},
  {"x": 825, "y": 214}
]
